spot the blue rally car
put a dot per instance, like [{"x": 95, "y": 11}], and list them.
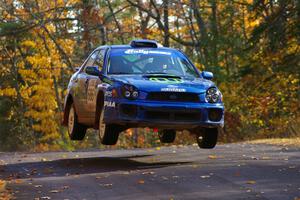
[{"x": 143, "y": 85}]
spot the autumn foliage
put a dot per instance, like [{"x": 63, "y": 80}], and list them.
[{"x": 251, "y": 46}]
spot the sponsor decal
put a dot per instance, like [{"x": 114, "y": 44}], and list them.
[
  {"x": 166, "y": 80},
  {"x": 173, "y": 89},
  {"x": 108, "y": 94},
  {"x": 110, "y": 104},
  {"x": 91, "y": 93},
  {"x": 142, "y": 51}
]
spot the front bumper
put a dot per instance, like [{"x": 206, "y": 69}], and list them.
[{"x": 177, "y": 115}]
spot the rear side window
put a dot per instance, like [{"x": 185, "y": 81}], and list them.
[
  {"x": 99, "y": 62},
  {"x": 90, "y": 62}
]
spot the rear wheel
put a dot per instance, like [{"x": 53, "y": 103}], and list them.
[
  {"x": 167, "y": 135},
  {"x": 76, "y": 130},
  {"x": 108, "y": 133},
  {"x": 208, "y": 138}
]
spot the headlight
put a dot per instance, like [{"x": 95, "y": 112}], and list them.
[
  {"x": 130, "y": 92},
  {"x": 213, "y": 95}
]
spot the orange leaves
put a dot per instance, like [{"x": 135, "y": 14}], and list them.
[{"x": 2, "y": 185}]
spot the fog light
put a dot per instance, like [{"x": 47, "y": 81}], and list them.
[{"x": 215, "y": 114}]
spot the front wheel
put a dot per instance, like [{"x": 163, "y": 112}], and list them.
[
  {"x": 167, "y": 136},
  {"x": 108, "y": 133},
  {"x": 76, "y": 130},
  {"x": 208, "y": 138}
]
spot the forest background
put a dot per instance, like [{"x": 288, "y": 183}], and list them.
[{"x": 251, "y": 46}]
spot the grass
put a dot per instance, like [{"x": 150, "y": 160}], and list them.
[{"x": 293, "y": 142}]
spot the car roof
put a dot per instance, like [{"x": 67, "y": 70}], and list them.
[
  {"x": 130, "y": 47},
  {"x": 138, "y": 44}
]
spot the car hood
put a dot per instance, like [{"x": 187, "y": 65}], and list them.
[{"x": 154, "y": 83}]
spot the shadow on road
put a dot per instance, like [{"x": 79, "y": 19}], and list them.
[{"x": 76, "y": 166}]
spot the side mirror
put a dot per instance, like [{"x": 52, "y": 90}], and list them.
[
  {"x": 76, "y": 69},
  {"x": 207, "y": 75},
  {"x": 92, "y": 70}
]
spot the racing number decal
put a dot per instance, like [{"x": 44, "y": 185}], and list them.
[{"x": 91, "y": 93}]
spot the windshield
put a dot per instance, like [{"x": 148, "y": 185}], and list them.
[{"x": 149, "y": 61}]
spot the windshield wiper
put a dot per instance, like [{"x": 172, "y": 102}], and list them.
[{"x": 156, "y": 73}]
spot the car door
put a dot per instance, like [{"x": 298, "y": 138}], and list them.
[
  {"x": 81, "y": 94},
  {"x": 92, "y": 83}
]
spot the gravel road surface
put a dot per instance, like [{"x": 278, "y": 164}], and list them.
[{"x": 230, "y": 171}]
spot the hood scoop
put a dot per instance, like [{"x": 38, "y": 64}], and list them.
[
  {"x": 164, "y": 78},
  {"x": 161, "y": 76}
]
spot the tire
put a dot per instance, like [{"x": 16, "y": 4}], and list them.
[
  {"x": 167, "y": 136},
  {"x": 108, "y": 133},
  {"x": 208, "y": 138},
  {"x": 76, "y": 130}
]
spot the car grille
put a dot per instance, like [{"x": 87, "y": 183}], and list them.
[
  {"x": 173, "y": 116},
  {"x": 173, "y": 96}
]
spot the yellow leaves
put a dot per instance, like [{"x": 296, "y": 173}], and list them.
[
  {"x": 9, "y": 92},
  {"x": 28, "y": 43}
]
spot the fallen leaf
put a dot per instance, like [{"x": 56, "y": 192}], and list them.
[
  {"x": 141, "y": 181},
  {"x": 2, "y": 185},
  {"x": 157, "y": 148},
  {"x": 46, "y": 197},
  {"x": 107, "y": 185},
  {"x": 237, "y": 174},
  {"x": 54, "y": 191},
  {"x": 18, "y": 181},
  {"x": 65, "y": 187},
  {"x": 205, "y": 176},
  {"x": 212, "y": 157},
  {"x": 33, "y": 171},
  {"x": 251, "y": 182},
  {"x": 146, "y": 173},
  {"x": 48, "y": 171},
  {"x": 195, "y": 166},
  {"x": 38, "y": 186},
  {"x": 44, "y": 160}
]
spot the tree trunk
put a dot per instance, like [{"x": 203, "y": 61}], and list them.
[{"x": 166, "y": 23}]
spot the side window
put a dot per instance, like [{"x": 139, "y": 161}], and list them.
[
  {"x": 91, "y": 60},
  {"x": 99, "y": 62}
]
